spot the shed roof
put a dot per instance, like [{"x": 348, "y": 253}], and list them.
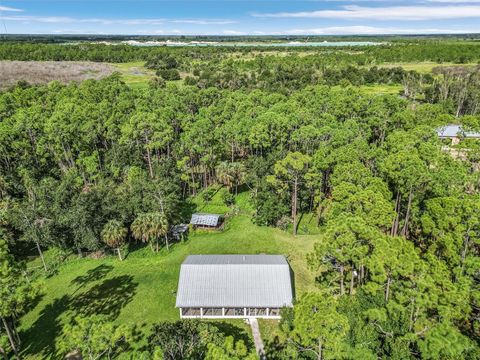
[
  {"x": 205, "y": 219},
  {"x": 450, "y": 131},
  {"x": 234, "y": 281}
]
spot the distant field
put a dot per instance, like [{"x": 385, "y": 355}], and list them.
[
  {"x": 423, "y": 67},
  {"x": 42, "y": 72}
]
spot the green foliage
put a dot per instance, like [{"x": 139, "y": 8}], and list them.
[
  {"x": 188, "y": 339},
  {"x": 16, "y": 294},
  {"x": 318, "y": 328},
  {"x": 229, "y": 350},
  {"x": 94, "y": 337}
]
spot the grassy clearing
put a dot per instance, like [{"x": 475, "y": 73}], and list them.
[
  {"x": 43, "y": 72},
  {"x": 141, "y": 289},
  {"x": 423, "y": 67},
  {"x": 382, "y": 89},
  {"x": 135, "y": 74}
]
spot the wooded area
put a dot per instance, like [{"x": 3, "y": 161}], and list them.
[{"x": 97, "y": 166}]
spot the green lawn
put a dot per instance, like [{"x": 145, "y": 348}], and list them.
[{"x": 141, "y": 289}]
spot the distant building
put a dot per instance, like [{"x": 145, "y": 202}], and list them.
[
  {"x": 455, "y": 133},
  {"x": 234, "y": 286},
  {"x": 206, "y": 221}
]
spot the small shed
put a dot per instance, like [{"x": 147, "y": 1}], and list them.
[
  {"x": 234, "y": 286},
  {"x": 206, "y": 221}
]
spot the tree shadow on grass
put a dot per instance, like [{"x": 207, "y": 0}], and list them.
[
  {"x": 237, "y": 332},
  {"x": 107, "y": 298},
  {"x": 94, "y": 274},
  {"x": 40, "y": 337}
]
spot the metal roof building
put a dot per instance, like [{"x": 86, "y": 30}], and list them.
[
  {"x": 234, "y": 286},
  {"x": 454, "y": 131},
  {"x": 206, "y": 220}
]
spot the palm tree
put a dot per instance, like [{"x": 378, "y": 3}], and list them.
[
  {"x": 231, "y": 174},
  {"x": 159, "y": 227},
  {"x": 224, "y": 175},
  {"x": 149, "y": 227},
  {"x": 239, "y": 173},
  {"x": 114, "y": 235},
  {"x": 140, "y": 229}
]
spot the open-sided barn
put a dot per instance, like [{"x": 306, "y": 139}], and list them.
[{"x": 234, "y": 286}]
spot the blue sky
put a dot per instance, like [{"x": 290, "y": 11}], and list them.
[{"x": 238, "y": 17}]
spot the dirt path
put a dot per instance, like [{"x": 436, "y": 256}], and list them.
[{"x": 257, "y": 338}]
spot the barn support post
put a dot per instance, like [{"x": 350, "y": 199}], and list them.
[
  {"x": 223, "y": 311},
  {"x": 245, "y": 312},
  {"x": 201, "y": 312},
  {"x": 181, "y": 316},
  {"x": 268, "y": 312}
]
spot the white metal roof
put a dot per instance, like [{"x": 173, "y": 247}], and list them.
[
  {"x": 450, "y": 131},
  {"x": 234, "y": 281},
  {"x": 205, "y": 219}
]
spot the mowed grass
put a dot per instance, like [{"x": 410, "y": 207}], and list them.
[
  {"x": 135, "y": 74},
  {"x": 141, "y": 289}
]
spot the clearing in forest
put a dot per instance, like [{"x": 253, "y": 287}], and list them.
[{"x": 43, "y": 72}]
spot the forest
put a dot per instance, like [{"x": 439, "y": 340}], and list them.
[{"x": 289, "y": 140}]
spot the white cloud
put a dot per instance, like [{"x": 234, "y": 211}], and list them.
[
  {"x": 370, "y": 30},
  {"x": 455, "y": 1},
  {"x": 71, "y": 20},
  {"x": 202, "y": 22},
  {"x": 6, "y": 8},
  {"x": 385, "y": 13},
  {"x": 233, "y": 32}
]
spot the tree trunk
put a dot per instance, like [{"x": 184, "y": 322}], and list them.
[
  {"x": 407, "y": 215},
  {"x": 149, "y": 161},
  {"x": 387, "y": 288},
  {"x": 410, "y": 327},
  {"x": 342, "y": 290},
  {"x": 80, "y": 253},
  {"x": 352, "y": 280},
  {"x": 166, "y": 241},
  {"x": 397, "y": 215},
  {"x": 466, "y": 243},
  {"x": 294, "y": 205},
  {"x": 119, "y": 254},
  {"x": 319, "y": 350},
  {"x": 3, "y": 353},
  {"x": 10, "y": 338},
  {"x": 41, "y": 255}
]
